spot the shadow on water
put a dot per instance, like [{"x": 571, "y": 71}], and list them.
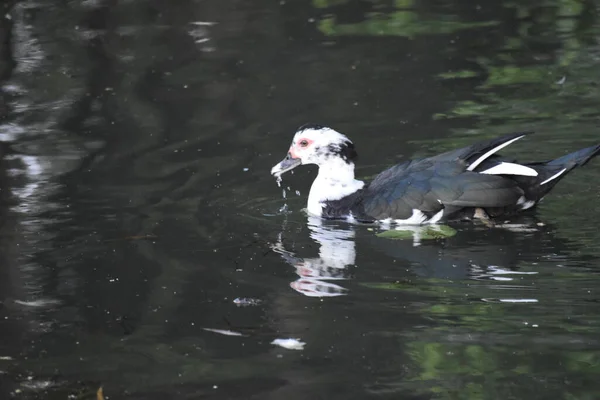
[{"x": 146, "y": 249}]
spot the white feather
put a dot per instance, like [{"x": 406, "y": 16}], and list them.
[
  {"x": 492, "y": 151},
  {"x": 524, "y": 203},
  {"x": 559, "y": 173},
  {"x": 506, "y": 168},
  {"x": 334, "y": 181},
  {"x": 386, "y": 223},
  {"x": 417, "y": 218},
  {"x": 436, "y": 217}
]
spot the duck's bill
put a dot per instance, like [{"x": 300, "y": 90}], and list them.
[{"x": 287, "y": 164}]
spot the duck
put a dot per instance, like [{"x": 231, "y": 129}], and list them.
[{"x": 468, "y": 183}]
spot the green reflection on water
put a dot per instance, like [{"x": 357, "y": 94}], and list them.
[
  {"x": 553, "y": 92},
  {"x": 404, "y": 21},
  {"x": 542, "y": 77},
  {"x": 425, "y": 233}
]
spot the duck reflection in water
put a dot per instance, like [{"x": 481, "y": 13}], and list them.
[
  {"x": 497, "y": 255},
  {"x": 336, "y": 254}
]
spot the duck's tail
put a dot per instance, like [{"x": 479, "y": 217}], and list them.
[
  {"x": 577, "y": 158},
  {"x": 551, "y": 172}
]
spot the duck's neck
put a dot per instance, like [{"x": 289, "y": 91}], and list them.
[{"x": 334, "y": 182}]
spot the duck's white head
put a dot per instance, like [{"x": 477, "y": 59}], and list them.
[
  {"x": 334, "y": 154},
  {"x": 316, "y": 144}
]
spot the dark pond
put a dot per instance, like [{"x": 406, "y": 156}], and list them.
[{"x": 137, "y": 206}]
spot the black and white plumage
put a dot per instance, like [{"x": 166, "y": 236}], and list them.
[{"x": 453, "y": 185}]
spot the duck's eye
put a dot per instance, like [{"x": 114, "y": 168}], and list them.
[{"x": 303, "y": 143}]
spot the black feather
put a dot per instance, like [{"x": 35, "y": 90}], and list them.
[
  {"x": 310, "y": 126},
  {"x": 351, "y": 204},
  {"x": 345, "y": 150}
]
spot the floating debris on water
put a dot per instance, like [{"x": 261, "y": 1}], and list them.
[
  {"x": 203, "y": 23},
  {"x": 518, "y": 227},
  {"x": 496, "y": 300},
  {"x": 290, "y": 344},
  {"x": 38, "y": 303},
  {"x": 247, "y": 301},
  {"x": 35, "y": 384},
  {"x": 223, "y": 332}
]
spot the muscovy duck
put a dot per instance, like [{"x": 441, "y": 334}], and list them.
[{"x": 472, "y": 182}]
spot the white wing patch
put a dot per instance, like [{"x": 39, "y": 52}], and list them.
[
  {"x": 492, "y": 151},
  {"x": 417, "y": 218},
  {"x": 506, "y": 168},
  {"x": 559, "y": 173}
]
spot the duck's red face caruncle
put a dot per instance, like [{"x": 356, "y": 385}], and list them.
[
  {"x": 298, "y": 154},
  {"x": 314, "y": 144}
]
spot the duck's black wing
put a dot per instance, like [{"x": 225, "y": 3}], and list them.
[
  {"x": 436, "y": 190},
  {"x": 439, "y": 186}
]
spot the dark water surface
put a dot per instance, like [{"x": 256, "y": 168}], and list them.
[{"x": 136, "y": 201}]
